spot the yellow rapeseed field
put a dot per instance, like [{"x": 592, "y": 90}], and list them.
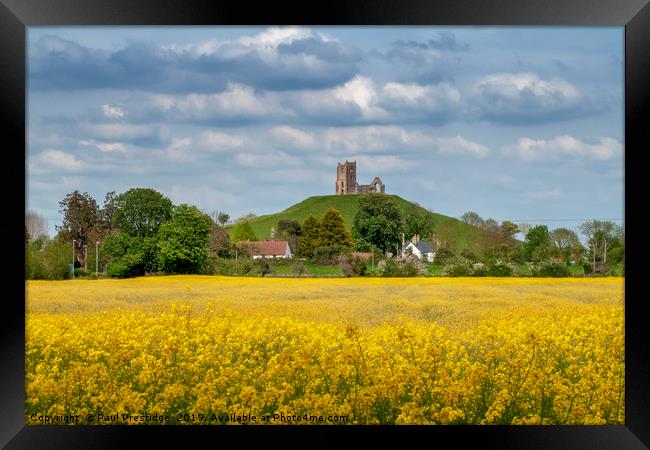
[{"x": 212, "y": 350}]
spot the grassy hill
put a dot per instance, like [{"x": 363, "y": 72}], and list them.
[{"x": 468, "y": 237}]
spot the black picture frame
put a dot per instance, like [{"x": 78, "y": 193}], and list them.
[{"x": 16, "y": 15}]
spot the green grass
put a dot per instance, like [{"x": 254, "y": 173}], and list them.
[
  {"x": 468, "y": 237},
  {"x": 576, "y": 269},
  {"x": 310, "y": 269},
  {"x": 434, "y": 269}
]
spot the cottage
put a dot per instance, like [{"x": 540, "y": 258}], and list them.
[
  {"x": 421, "y": 250},
  {"x": 274, "y": 249}
]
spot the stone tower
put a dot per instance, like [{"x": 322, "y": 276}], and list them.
[{"x": 346, "y": 178}]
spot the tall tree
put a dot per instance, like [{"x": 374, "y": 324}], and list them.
[
  {"x": 418, "y": 222},
  {"x": 141, "y": 211},
  {"x": 601, "y": 236},
  {"x": 80, "y": 216},
  {"x": 107, "y": 212},
  {"x": 537, "y": 239},
  {"x": 290, "y": 230},
  {"x": 183, "y": 240},
  {"x": 36, "y": 226},
  {"x": 223, "y": 218},
  {"x": 378, "y": 222},
  {"x": 244, "y": 232},
  {"x": 309, "y": 238},
  {"x": 565, "y": 241},
  {"x": 472, "y": 218},
  {"x": 333, "y": 230}
]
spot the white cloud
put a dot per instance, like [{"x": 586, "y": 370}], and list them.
[
  {"x": 57, "y": 159},
  {"x": 420, "y": 99},
  {"x": 513, "y": 84},
  {"x": 565, "y": 146},
  {"x": 262, "y": 161},
  {"x": 203, "y": 197},
  {"x": 104, "y": 146},
  {"x": 179, "y": 149},
  {"x": 459, "y": 145},
  {"x": 371, "y": 138},
  {"x": 217, "y": 141},
  {"x": 113, "y": 112},
  {"x": 124, "y": 132},
  {"x": 295, "y": 137}
]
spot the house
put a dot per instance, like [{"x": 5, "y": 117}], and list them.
[
  {"x": 273, "y": 249},
  {"x": 421, "y": 249}
]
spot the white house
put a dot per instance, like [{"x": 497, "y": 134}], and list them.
[
  {"x": 421, "y": 250},
  {"x": 273, "y": 249}
]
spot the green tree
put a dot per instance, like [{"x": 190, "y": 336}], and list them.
[
  {"x": 378, "y": 222},
  {"x": 290, "y": 230},
  {"x": 601, "y": 236},
  {"x": 309, "y": 238},
  {"x": 223, "y": 218},
  {"x": 80, "y": 216},
  {"x": 141, "y": 211},
  {"x": 333, "y": 230},
  {"x": 418, "y": 222},
  {"x": 244, "y": 232},
  {"x": 472, "y": 218},
  {"x": 565, "y": 241},
  {"x": 183, "y": 240},
  {"x": 129, "y": 256},
  {"x": 536, "y": 243}
]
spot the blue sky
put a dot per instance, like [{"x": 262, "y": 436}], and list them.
[{"x": 524, "y": 124}]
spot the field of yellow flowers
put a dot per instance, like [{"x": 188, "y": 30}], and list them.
[{"x": 225, "y": 350}]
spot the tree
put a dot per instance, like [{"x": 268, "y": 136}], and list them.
[
  {"x": 107, "y": 212},
  {"x": 378, "y": 222},
  {"x": 491, "y": 225},
  {"x": 472, "y": 218},
  {"x": 129, "y": 256},
  {"x": 219, "y": 242},
  {"x": 564, "y": 240},
  {"x": 244, "y": 232},
  {"x": 141, "y": 211},
  {"x": 506, "y": 232},
  {"x": 446, "y": 236},
  {"x": 333, "y": 230},
  {"x": 36, "y": 226},
  {"x": 290, "y": 230},
  {"x": 80, "y": 216},
  {"x": 601, "y": 236},
  {"x": 183, "y": 240},
  {"x": 418, "y": 221},
  {"x": 223, "y": 218},
  {"x": 309, "y": 238},
  {"x": 535, "y": 243}
]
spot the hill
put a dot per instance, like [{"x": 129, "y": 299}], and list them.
[{"x": 467, "y": 236}]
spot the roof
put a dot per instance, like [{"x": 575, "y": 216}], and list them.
[
  {"x": 424, "y": 247},
  {"x": 267, "y": 248}
]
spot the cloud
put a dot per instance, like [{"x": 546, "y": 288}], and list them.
[
  {"x": 113, "y": 112},
  {"x": 143, "y": 135},
  {"x": 104, "y": 146},
  {"x": 264, "y": 160},
  {"x": 565, "y": 146},
  {"x": 458, "y": 145},
  {"x": 203, "y": 197},
  {"x": 370, "y": 138},
  {"x": 275, "y": 58},
  {"x": 525, "y": 98},
  {"x": 217, "y": 141},
  {"x": 294, "y": 137},
  {"x": 56, "y": 159}
]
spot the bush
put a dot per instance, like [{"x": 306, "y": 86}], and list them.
[
  {"x": 48, "y": 261},
  {"x": 443, "y": 256},
  {"x": 479, "y": 269},
  {"x": 231, "y": 267},
  {"x": 262, "y": 266},
  {"x": 459, "y": 267},
  {"x": 298, "y": 268},
  {"x": 410, "y": 266},
  {"x": 329, "y": 255},
  {"x": 550, "y": 269},
  {"x": 500, "y": 269},
  {"x": 353, "y": 265}
]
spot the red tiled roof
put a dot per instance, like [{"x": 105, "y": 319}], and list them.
[{"x": 264, "y": 248}]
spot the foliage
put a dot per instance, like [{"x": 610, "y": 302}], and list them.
[
  {"x": 498, "y": 268},
  {"x": 472, "y": 218},
  {"x": 141, "y": 211},
  {"x": 550, "y": 269},
  {"x": 333, "y": 230},
  {"x": 409, "y": 266},
  {"x": 537, "y": 239},
  {"x": 244, "y": 232},
  {"x": 298, "y": 268},
  {"x": 329, "y": 254},
  {"x": 443, "y": 256},
  {"x": 379, "y": 222},
  {"x": 290, "y": 231},
  {"x": 80, "y": 216},
  {"x": 417, "y": 221},
  {"x": 35, "y": 226},
  {"x": 459, "y": 267},
  {"x": 183, "y": 241},
  {"x": 310, "y": 237},
  {"x": 353, "y": 265},
  {"x": 48, "y": 260},
  {"x": 130, "y": 256}
]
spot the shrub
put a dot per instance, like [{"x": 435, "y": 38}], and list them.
[
  {"x": 500, "y": 269},
  {"x": 329, "y": 254},
  {"x": 410, "y": 266},
  {"x": 224, "y": 266},
  {"x": 458, "y": 267},
  {"x": 443, "y": 256},
  {"x": 298, "y": 268},
  {"x": 262, "y": 266},
  {"x": 353, "y": 265},
  {"x": 479, "y": 269},
  {"x": 550, "y": 269}
]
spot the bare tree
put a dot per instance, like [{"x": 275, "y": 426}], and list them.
[
  {"x": 36, "y": 225},
  {"x": 472, "y": 218}
]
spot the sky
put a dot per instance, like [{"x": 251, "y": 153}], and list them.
[{"x": 515, "y": 123}]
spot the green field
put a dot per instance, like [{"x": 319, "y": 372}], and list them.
[{"x": 468, "y": 237}]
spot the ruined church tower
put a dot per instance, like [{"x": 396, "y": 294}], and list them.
[{"x": 346, "y": 180}]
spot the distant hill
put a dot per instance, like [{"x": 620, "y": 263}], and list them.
[{"x": 468, "y": 237}]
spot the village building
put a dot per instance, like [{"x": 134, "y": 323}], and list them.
[
  {"x": 421, "y": 249},
  {"x": 269, "y": 249}
]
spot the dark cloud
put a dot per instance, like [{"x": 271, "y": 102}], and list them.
[{"x": 307, "y": 62}]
